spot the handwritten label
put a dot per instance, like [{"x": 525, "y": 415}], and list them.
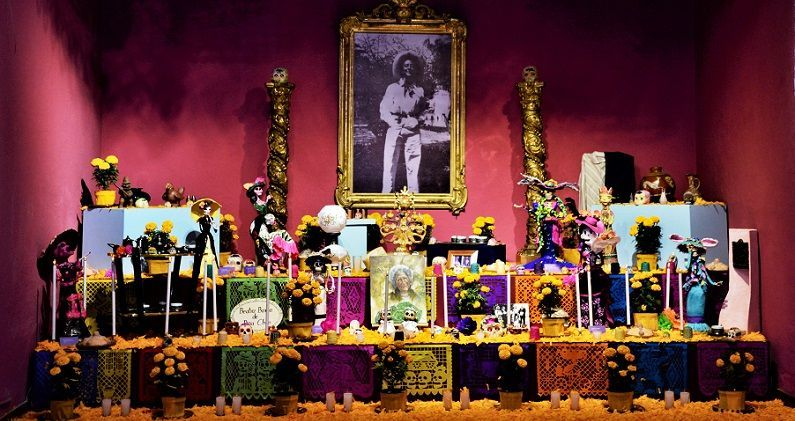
[{"x": 253, "y": 311}]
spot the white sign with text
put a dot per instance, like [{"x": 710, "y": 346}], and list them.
[{"x": 253, "y": 311}]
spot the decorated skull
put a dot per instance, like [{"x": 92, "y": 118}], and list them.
[
  {"x": 410, "y": 314},
  {"x": 642, "y": 197},
  {"x": 280, "y": 75},
  {"x": 246, "y": 328},
  {"x": 529, "y": 73}
]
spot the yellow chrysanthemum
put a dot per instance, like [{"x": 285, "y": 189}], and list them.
[
  {"x": 169, "y": 362},
  {"x": 557, "y": 283},
  {"x": 643, "y": 307},
  {"x": 735, "y": 358},
  {"x": 306, "y": 219},
  {"x": 480, "y": 219},
  {"x": 316, "y": 291},
  {"x": 476, "y": 304},
  {"x": 276, "y": 358},
  {"x": 539, "y": 297},
  {"x": 155, "y": 371},
  {"x": 636, "y": 285},
  {"x": 504, "y": 347},
  {"x": 170, "y": 351},
  {"x": 297, "y": 293},
  {"x": 562, "y": 292},
  {"x": 648, "y": 222},
  {"x": 655, "y": 219},
  {"x": 484, "y": 288},
  {"x": 547, "y": 279},
  {"x": 150, "y": 226},
  {"x": 159, "y": 357},
  {"x": 302, "y": 368},
  {"x": 427, "y": 219},
  {"x": 633, "y": 230},
  {"x": 504, "y": 355},
  {"x": 546, "y": 291},
  {"x": 55, "y": 371},
  {"x": 489, "y": 220},
  {"x": 516, "y": 349},
  {"x": 317, "y": 300},
  {"x": 306, "y": 301},
  {"x": 383, "y": 344},
  {"x": 62, "y": 361},
  {"x": 103, "y": 165},
  {"x": 719, "y": 362},
  {"x": 315, "y": 284},
  {"x": 112, "y": 159},
  {"x": 457, "y": 285},
  {"x": 656, "y": 287},
  {"x": 180, "y": 355},
  {"x": 307, "y": 287},
  {"x": 521, "y": 362},
  {"x": 95, "y": 162},
  {"x": 290, "y": 286},
  {"x": 612, "y": 364},
  {"x": 74, "y": 357},
  {"x": 639, "y": 220},
  {"x": 182, "y": 367},
  {"x": 622, "y": 349},
  {"x": 469, "y": 278}
]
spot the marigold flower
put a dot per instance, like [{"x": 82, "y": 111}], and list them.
[
  {"x": 636, "y": 285},
  {"x": 170, "y": 351},
  {"x": 457, "y": 285},
  {"x": 537, "y": 284},
  {"x": 169, "y": 362},
  {"x": 546, "y": 291},
  {"x": 55, "y": 371},
  {"x": 159, "y": 357},
  {"x": 539, "y": 296},
  {"x": 306, "y": 219},
  {"x": 155, "y": 371},
  {"x": 182, "y": 367},
  {"x": 719, "y": 362},
  {"x": 521, "y": 362},
  {"x": 622, "y": 349},
  {"x": 112, "y": 159},
  {"x": 639, "y": 220},
  {"x": 647, "y": 223},
  {"x": 75, "y": 357},
  {"x": 633, "y": 230},
  {"x": 476, "y": 304},
  {"x": 484, "y": 288},
  {"x": 516, "y": 349},
  {"x": 302, "y": 368},
  {"x": 655, "y": 219},
  {"x": 622, "y": 373},
  {"x": 735, "y": 358},
  {"x": 749, "y": 357},
  {"x": 180, "y": 355},
  {"x": 469, "y": 278},
  {"x": 307, "y": 287},
  {"x": 629, "y": 357},
  {"x": 477, "y": 231},
  {"x": 656, "y": 287},
  {"x": 306, "y": 301},
  {"x": 150, "y": 226},
  {"x": 62, "y": 361},
  {"x": 169, "y": 371},
  {"x": 383, "y": 344},
  {"x": 95, "y": 162},
  {"x": 632, "y": 368},
  {"x": 612, "y": 364},
  {"x": 317, "y": 300},
  {"x": 749, "y": 368},
  {"x": 609, "y": 352},
  {"x": 489, "y": 220},
  {"x": 374, "y": 358},
  {"x": 504, "y": 347},
  {"x": 562, "y": 292},
  {"x": 557, "y": 283},
  {"x": 403, "y": 353},
  {"x": 504, "y": 355},
  {"x": 276, "y": 358},
  {"x": 297, "y": 293}
]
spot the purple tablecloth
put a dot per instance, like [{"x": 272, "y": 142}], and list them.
[
  {"x": 497, "y": 294},
  {"x": 354, "y": 297},
  {"x": 709, "y": 380},
  {"x": 339, "y": 369},
  {"x": 477, "y": 369}
]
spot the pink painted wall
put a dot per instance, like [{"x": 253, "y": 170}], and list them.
[
  {"x": 184, "y": 99},
  {"x": 745, "y": 135},
  {"x": 49, "y": 131}
]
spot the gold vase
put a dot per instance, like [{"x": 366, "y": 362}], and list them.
[
  {"x": 510, "y": 401},
  {"x": 62, "y": 410},
  {"x": 285, "y": 404},
  {"x": 393, "y": 401},
  {"x": 553, "y": 326},
  {"x": 620, "y": 401},
  {"x": 300, "y": 330},
  {"x": 156, "y": 265},
  {"x": 105, "y": 198},
  {"x": 651, "y": 259},
  {"x": 647, "y": 320},
  {"x": 173, "y": 407},
  {"x": 731, "y": 400}
]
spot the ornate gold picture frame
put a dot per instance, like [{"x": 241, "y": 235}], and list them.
[{"x": 401, "y": 109}]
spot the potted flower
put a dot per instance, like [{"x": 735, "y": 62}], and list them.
[
  {"x": 621, "y": 369},
  {"x": 170, "y": 374},
  {"x": 509, "y": 375},
  {"x": 155, "y": 243},
  {"x": 64, "y": 378},
  {"x": 484, "y": 225},
  {"x": 470, "y": 299},
  {"x": 549, "y": 292},
  {"x": 286, "y": 379},
  {"x": 304, "y": 294},
  {"x": 647, "y": 235},
  {"x": 392, "y": 360},
  {"x": 646, "y": 299},
  {"x": 735, "y": 368},
  {"x": 105, "y": 174},
  {"x": 310, "y": 235},
  {"x": 228, "y": 238}
]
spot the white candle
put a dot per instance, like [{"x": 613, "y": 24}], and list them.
[
  {"x": 684, "y": 398},
  {"x": 113, "y": 299},
  {"x": 590, "y": 296},
  {"x": 289, "y": 267},
  {"x": 669, "y": 399},
  {"x": 331, "y": 402},
  {"x": 222, "y": 337},
  {"x": 444, "y": 298},
  {"x": 554, "y": 399},
  {"x": 268, "y": 300},
  {"x": 347, "y": 401},
  {"x": 54, "y": 293},
  {"x": 107, "y": 403},
  {"x": 668, "y": 284},
  {"x": 125, "y": 407},
  {"x": 339, "y": 294},
  {"x": 447, "y": 399},
  {"x": 574, "y": 401},
  {"x": 215, "y": 299},
  {"x": 220, "y": 404},
  {"x": 577, "y": 299},
  {"x": 464, "y": 398},
  {"x": 85, "y": 286},
  {"x": 237, "y": 403},
  {"x": 626, "y": 297},
  {"x": 508, "y": 296},
  {"x": 168, "y": 290},
  {"x": 386, "y": 304},
  {"x": 681, "y": 305},
  {"x": 204, "y": 302}
]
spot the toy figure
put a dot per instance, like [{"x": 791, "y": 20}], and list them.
[
  {"x": 203, "y": 211},
  {"x": 172, "y": 196},
  {"x": 593, "y": 240},
  {"x": 548, "y": 214},
  {"x": 698, "y": 280},
  {"x": 71, "y": 314},
  {"x": 254, "y": 192},
  {"x": 132, "y": 196}
]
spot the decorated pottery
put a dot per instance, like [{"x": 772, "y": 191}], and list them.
[{"x": 657, "y": 181}]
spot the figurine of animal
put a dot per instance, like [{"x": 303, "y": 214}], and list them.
[
  {"x": 132, "y": 196},
  {"x": 173, "y": 196}
]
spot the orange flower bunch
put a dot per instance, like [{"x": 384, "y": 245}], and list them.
[
  {"x": 288, "y": 369},
  {"x": 393, "y": 360},
  {"x": 736, "y": 368},
  {"x": 170, "y": 372},
  {"x": 511, "y": 367},
  {"x": 303, "y": 289},
  {"x": 621, "y": 368}
]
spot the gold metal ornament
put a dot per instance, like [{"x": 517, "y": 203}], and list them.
[
  {"x": 279, "y": 90},
  {"x": 535, "y": 152},
  {"x": 401, "y": 17},
  {"x": 403, "y": 227}
]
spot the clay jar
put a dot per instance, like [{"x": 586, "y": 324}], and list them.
[{"x": 657, "y": 181}]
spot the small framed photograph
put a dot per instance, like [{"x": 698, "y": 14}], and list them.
[
  {"x": 520, "y": 316},
  {"x": 500, "y": 312},
  {"x": 461, "y": 258}
]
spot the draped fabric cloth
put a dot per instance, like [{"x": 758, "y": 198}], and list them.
[{"x": 592, "y": 177}]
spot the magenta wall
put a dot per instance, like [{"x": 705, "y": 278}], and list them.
[
  {"x": 49, "y": 130},
  {"x": 183, "y": 99},
  {"x": 745, "y": 142}
]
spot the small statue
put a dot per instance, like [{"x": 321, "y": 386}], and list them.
[
  {"x": 642, "y": 197},
  {"x": 203, "y": 211},
  {"x": 692, "y": 195},
  {"x": 698, "y": 279},
  {"x": 61, "y": 251},
  {"x": 410, "y": 328},
  {"x": 173, "y": 197},
  {"x": 132, "y": 196}
]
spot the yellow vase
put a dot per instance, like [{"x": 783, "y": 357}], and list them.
[
  {"x": 651, "y": 259},
  {"x": 105, "y": 198},
  {"x": 553, "y": 326},
  {"x": 647, "y": 320},
  {"x": 300, "y": 330},
  {"x": 156, "y": 266},
  {"x": 731, "y": 400}
]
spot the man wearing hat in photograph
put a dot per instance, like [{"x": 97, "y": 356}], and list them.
[{"x": 403, "y": 103}]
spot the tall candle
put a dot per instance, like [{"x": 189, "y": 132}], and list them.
[
  {"x": 215, "y": 299},
  {"x": 220, "y": 404},
  {"x": 577, "y": 299},
  {"x": 668, "y": 284},
  {"x": 444, "y": 297},
  {"x": 590, "y": 296},
  {"x": 681, "y": 305},
  {"x": 168, "y": 291},
  {"x": 339, "y": 293},
  {"x": 331, "y": 402},
  {"x": 574, "y": 401},
  {"x": 447, "y": 399},
  {"x": 347, "y": 401},
  {"x": 289, "y": 267},
  {"x": 268, "y": 299},
  {"x": 237, "y": 404},
  {"x": 684, "y": 398},
  {"x": 626, "y": 296},
  {"x": 204, "y": 302},
  {"x": 113, "y": 300},
  {"x": 554, "y": 399},
  {"x": 54, "y": 293},
  {"x": 508, "y": 295},
  {"x": 464, "y": 398},
  {"x": 85, "y": 286},
  {"x": 386, "y": 305},
  {"x": 669, "y": 399}
]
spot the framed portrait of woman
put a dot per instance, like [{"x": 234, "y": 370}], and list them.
[
  {"x": 401, "y": 121},
  {"x": 397, "y": 283}
]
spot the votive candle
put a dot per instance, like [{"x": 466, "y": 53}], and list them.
[
  {"x": 554, "y": 399},
  {"x": 669, "y": 399},
  {"x": 237, "y": 404},
  {"x": 464, "y": 398},
  {"x": 125, "y": 407},
  {"x": 107, "y": 403},
  {"x": 347, "y": 401},
  {"x": 684, "y": 398},
  {"x": 447, "y": 399},
  {"x": 331, "y": 401},
  {"x": 574, "y": 400},
  {"x": 220, "y": 404}
]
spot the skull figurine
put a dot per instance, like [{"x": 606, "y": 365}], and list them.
[
  {"x": 280, "y": 75},
  {"x": 529, "y": 73},
  {"x": 642, "y": 197},
  {"x": 246, "y": 329}
]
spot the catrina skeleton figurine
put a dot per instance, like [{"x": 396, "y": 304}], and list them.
[{"x": 698, "y": 279}]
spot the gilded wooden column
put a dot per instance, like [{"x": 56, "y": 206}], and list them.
[
  {"x": 279, "y": 90},
  {"x": 535, "y": 152}
]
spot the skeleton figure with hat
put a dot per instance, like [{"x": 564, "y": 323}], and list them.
[
  {"x": 594, "y": 239},
  {"x": 204, "y": 211},
  {"x": 698, "y": 280},
  {"x": 61, "y": 251},
  {"x": 271, "y": 243}
]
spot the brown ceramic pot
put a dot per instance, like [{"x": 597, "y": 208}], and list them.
[{"x": 657, "y": 181}]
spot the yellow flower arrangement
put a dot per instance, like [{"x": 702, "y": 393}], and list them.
[
  {"x": 170, "y": 372},
  {"x": 646, "y": 294},
  {"x": 469, "y": 294},
  {"x": 621, "y": 374},
  {"x": 510, "y": 368},
  {"x": 647, "y": 233},
  {"x": 736, "y": 369},
  {"x": 549, "y": 292},
  {"x": 65, "y": 375},
  {"x": 155, "y": 241},
  {"x": 228, "y": 234},
  {"x": 304, "y": 290},
  {"x": 393, "y": 362},
  {"x": 309, "y": 234},
  {"x": 483, "y": 225},
  {"x": 106, "y": 171}
]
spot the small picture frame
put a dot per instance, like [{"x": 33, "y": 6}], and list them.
[
  {"x": 461, "y": 258},
  {"x": 520, "y": 316}
]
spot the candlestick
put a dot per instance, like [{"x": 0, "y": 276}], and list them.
[
  {"x": 590, "y": 296},
  {"x": 215, "y": 299},
  {"x": 681, "y": 305},
  {"x": 220, "y": 404},
  {"x": 464, "y": 398},
  {"x": 554, "y": 399},
  {"x": 668, "y": 284},
  {"x": 669, "y": 399},
  {"x": 347, "y": 401},
  {"x": 331, "y": 402},
  {"x": 237, "y": 403},
  {"x": 54, "y": 293},
  {"x": 574, "y": 401},
  {"x": 447, "y": 400},
  {"x": 626, "y": 295},
  {"x": 577, "y": 299},
  {"x": 508, "y": 296},
  {"x": 168, "y": 290},
  {"x": 444, "y": 298},
  {"x": 339, "y": 294},
  {"x": 85, "y": 286},
  {"x": 112, "y": 299},
  {"x": 204, "y": 302},
  {"x": 125, "y": 407},
  {"x": 268, "y": 299},
  {"x": 289, "y": 267}
]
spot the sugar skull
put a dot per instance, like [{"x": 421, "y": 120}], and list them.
[
  {"x": 529, "y": 73},
  {"x": 280, "y": 75},
  {"x": 642, "y": 197},
  {"x": 246, "y": 328}
]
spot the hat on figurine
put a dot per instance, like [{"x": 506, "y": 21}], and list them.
[
  {"x": 197, "y": 210},
  {"x": 592, "y": 223}
]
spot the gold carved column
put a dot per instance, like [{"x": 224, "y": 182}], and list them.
[
  {"x": 535, "y": 152},
  {"x": 279, "y": 90}
]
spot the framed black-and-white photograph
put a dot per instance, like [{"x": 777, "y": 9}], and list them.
[
  {"x": 520, "y": 316},
  {"x": 401, "y": 112},
  {"x": 500, "y": 312},
  {"x": 461, "y": 258}
]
